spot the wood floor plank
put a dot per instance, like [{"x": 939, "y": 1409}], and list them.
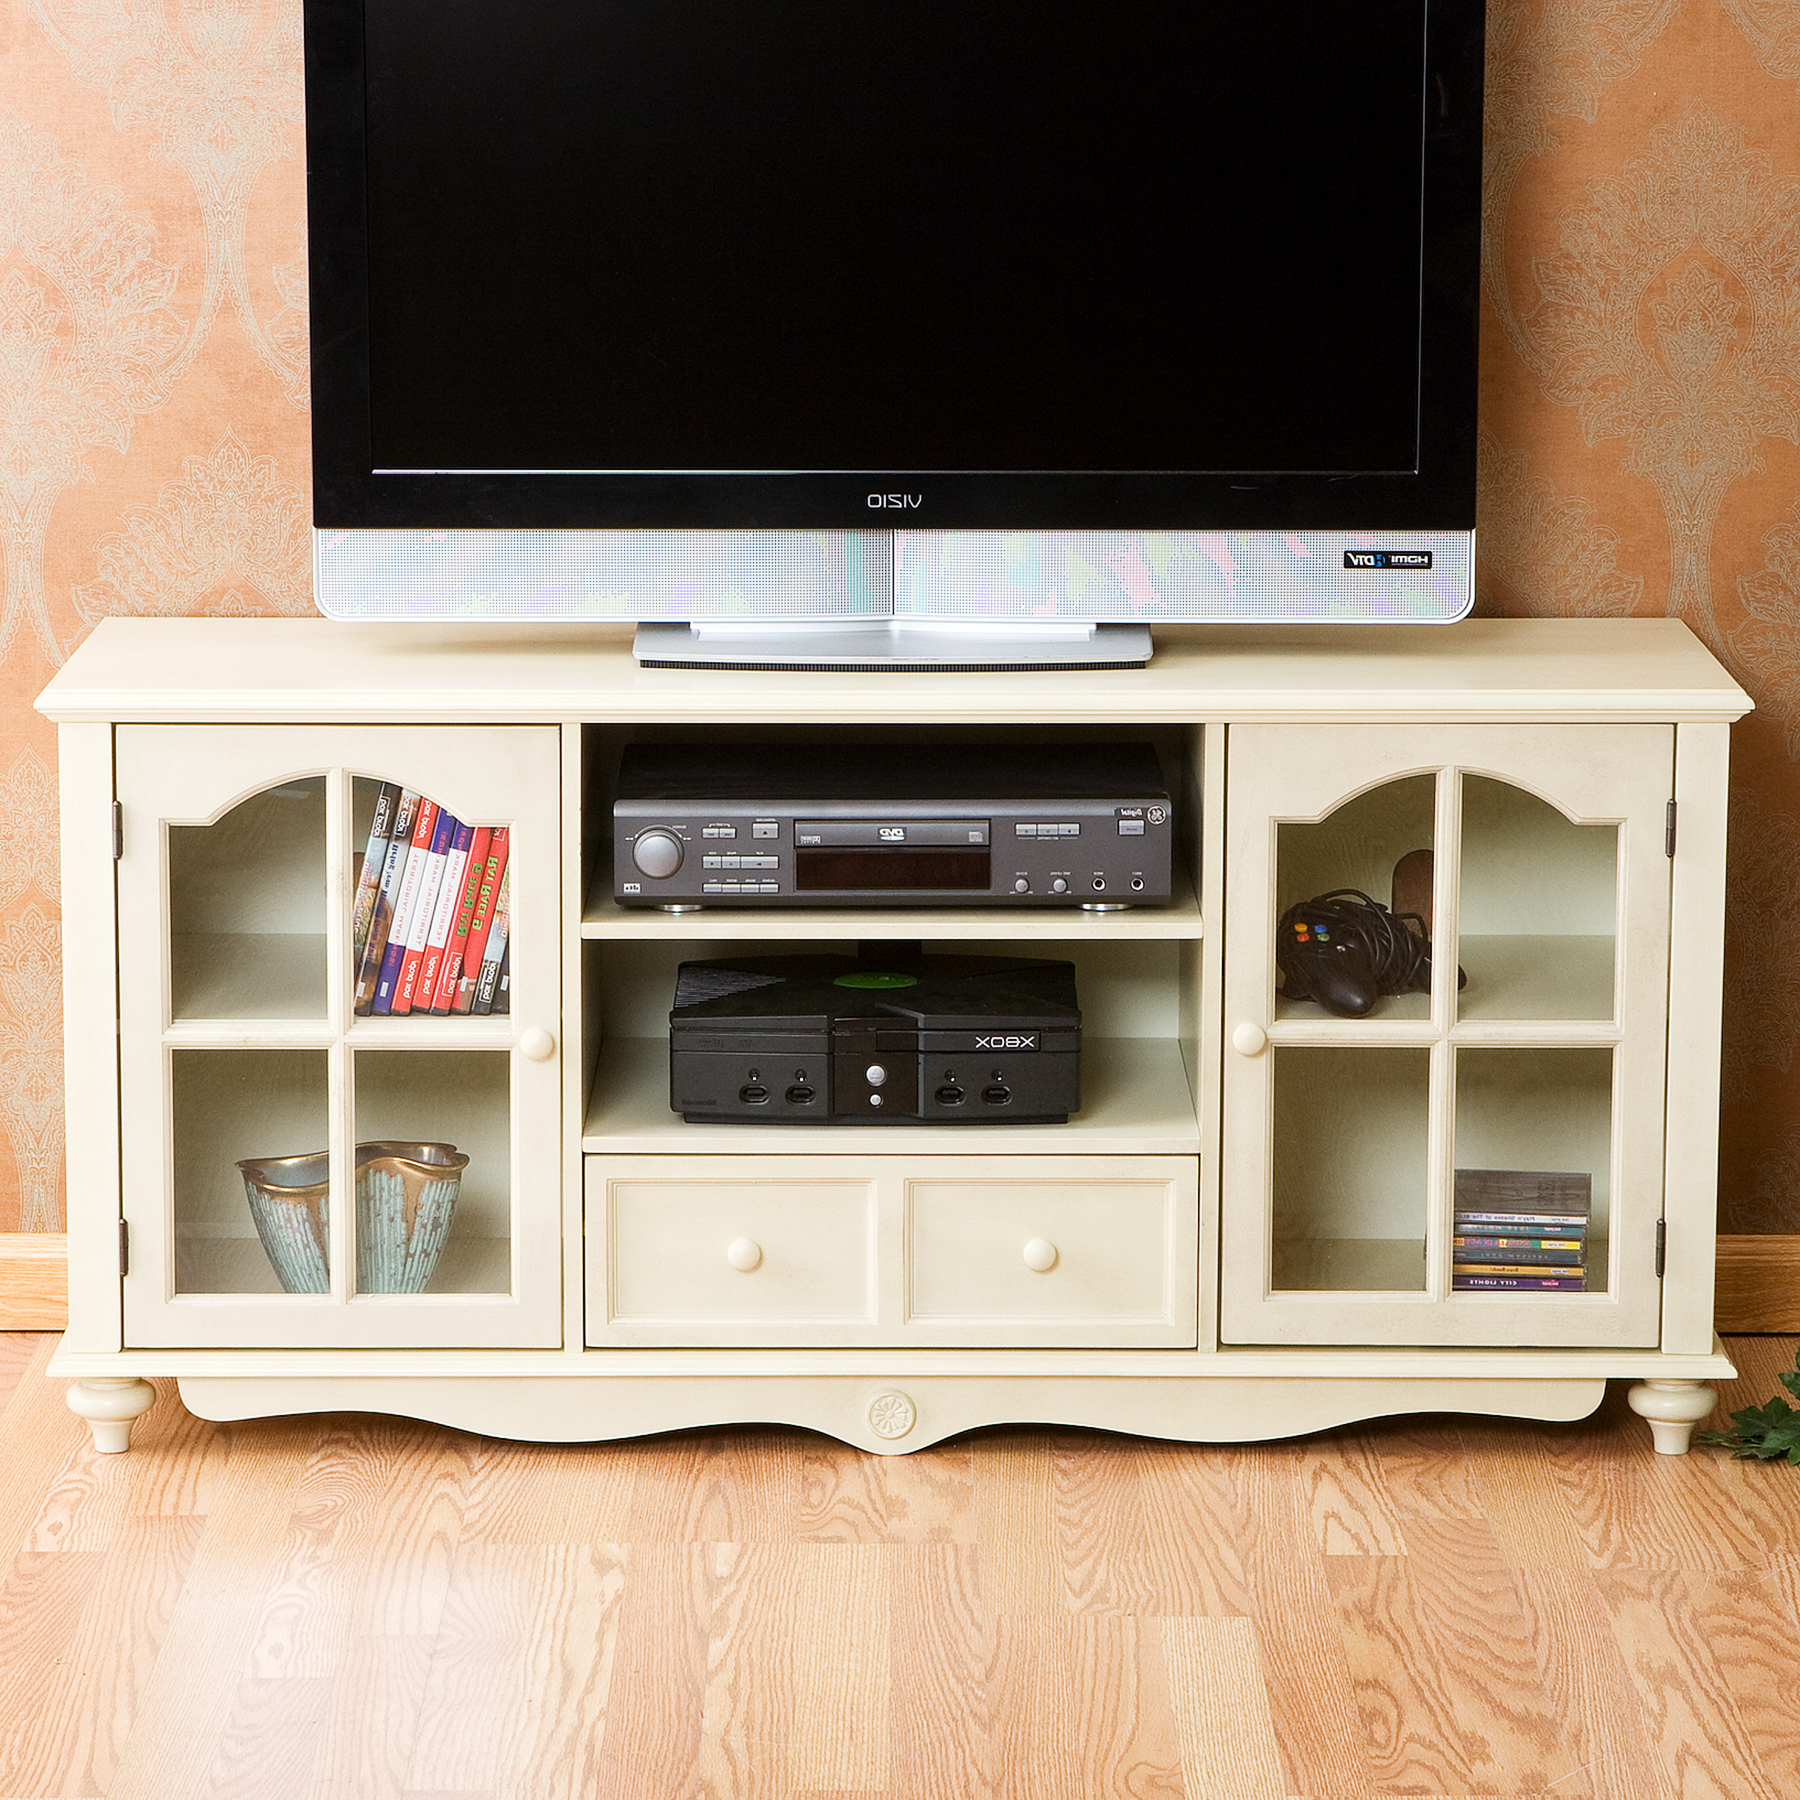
[
  {"x": 82, "y": 1721},
  {"x": 184, "y": 1705},
  {"x": 1015, "y": 1525},
  {"x": 1219, "y": 1690},
  {"x": 799, "y": 1685},
  {"x": 1425, "y": 1467},
  {"x": 1585, "y": 1680},
  {"x": 521, "y": 1670},
  {"x": 1702, "y": 1747},
  {"x": 1638, "y": 1512},
  {"x": 1442, "y": 1708},
  {"x": 377, "y": 1514},
  {"x": 40, "y": 1435},
  {"x": 940, "y": 1714},
  {"x": 550, "y": 1493},
  {"x": 1100, "y": 1537},
  {"x": 1191, "y": 1565},
  {"x": 717, "y": 1487},
  {"x": 17, "y": 1349},
  {"x": 270, "y": 1740},
  {"x": 1121, "y": 1716},
  {"x": 1746, "y": 1623},
  {"x": 1525, "y": 1502},
  {"x": 1313, "y": 1706},
  {"x": 371, "y": 1719},
  {"x": 42, "y": 1600},
  {"x": 1030, "y": 1676},
  {"x": 1347, "y": 1500},
  {"x": 848, "y": 1498},
  {"x": 651, "y": 1745}
]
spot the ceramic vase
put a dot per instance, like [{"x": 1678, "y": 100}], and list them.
[
  {"x": 288, "y": 1198},
  {"x": 405, "y": 1196}
]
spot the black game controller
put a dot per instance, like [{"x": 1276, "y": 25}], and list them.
[{"x": 1345, "y": 951}]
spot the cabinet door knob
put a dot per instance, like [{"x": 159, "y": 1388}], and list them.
[
  {"x": 744, "y": 1254},
  {"x": 1040, "y": 1254},
  {"x": 538, "y": 1044},
  {"x": 1249, "y": 1040}
]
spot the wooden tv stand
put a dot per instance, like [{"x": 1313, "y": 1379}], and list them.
[{"x": 1249, "y": 1222}]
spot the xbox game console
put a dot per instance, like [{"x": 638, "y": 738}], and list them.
[{"x": 903, "y": 1040}]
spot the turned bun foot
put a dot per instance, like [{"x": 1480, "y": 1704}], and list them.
[
  {"x": 109, "y": 1403},
  {"x": 1673, "y": 1408}
]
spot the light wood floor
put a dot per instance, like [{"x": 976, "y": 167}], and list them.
[{"x": 379, "y": 1610}]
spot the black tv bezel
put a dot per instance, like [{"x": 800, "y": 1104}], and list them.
[{"x": 1439, "y": 494}]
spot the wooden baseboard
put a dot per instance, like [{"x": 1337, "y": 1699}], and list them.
[
  {"x": 34, "y": 1281},
  {"x": 1758, "y": 1284}
]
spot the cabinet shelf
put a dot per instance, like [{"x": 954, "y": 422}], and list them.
[
  {"x": 1136, "y": 1100},
  {"x": 247, "y": 975}
]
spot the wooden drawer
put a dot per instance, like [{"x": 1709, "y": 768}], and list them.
[
  {"x": 1069, "y": 1257},
  {"x": 951, "y": 1251}
]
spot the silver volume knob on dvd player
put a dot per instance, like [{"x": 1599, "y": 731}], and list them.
[{"x": 891, "y": 824}]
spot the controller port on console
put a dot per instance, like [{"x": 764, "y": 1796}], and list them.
[
  {"x": 950, "y": 1095},
  {"x": 997, "y": 1094},
  {"x": 753, "y": 1093},
  {"x": 799, "y": 1095}
]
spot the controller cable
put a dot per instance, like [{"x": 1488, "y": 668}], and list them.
[{"x": 1347, "y": 922}]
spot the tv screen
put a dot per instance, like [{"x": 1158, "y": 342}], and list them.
[{"x": 959, "y": 265}]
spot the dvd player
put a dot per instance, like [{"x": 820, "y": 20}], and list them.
[{"x": 890, "y": 824}]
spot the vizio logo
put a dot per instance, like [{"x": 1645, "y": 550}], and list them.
[
  {"x": 903, "y": 501},
  {"x": 1387, "y": 559},
  {"x": 1027, "y": 1042}
]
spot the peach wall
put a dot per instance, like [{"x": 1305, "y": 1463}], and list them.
[{"x": 1640, "y": 437}]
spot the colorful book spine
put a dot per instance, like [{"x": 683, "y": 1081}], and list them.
[
  {"x": 368, "y": 972},
  {"x": 368, "y": 880},
  {"x": 487, "y": 984},
  {"x": 482, "y": 922},
  {"x": 1516, "y": 1250},
  {"x": 443, "y": 999},
  {"x": 1529, "y": 1281},
  {"x": 417, "y": 854},
  {"x": 424, "y": 911},
  {"x": 443, "y": 918},
  {"x": 1541, "y": 1223}
]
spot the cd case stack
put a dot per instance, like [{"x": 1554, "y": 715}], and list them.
[{"x": 1520, "y": 1229}]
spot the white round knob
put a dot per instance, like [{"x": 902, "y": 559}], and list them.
[
  {"x": 875, "y": 1075},
  {"x": 1249, "y": 1040},
  {"x": 743, "y": 1254},
  {"x": 1040, "y": 1254},
  {"x": 657, "y": 853},
  {"x": 537, "y": 1044}
]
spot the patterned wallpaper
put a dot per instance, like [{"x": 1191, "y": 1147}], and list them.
[{"x": 1640, "y": 437}]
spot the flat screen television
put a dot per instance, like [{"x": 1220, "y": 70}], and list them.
[{"x": 751, "y": 314}]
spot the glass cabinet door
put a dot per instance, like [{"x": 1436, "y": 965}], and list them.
[
  {"x": 339, "y": 992},
  {"x": 1445, "y": 992}
]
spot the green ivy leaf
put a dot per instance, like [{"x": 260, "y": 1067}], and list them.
[{"x": 1766, "y": 1433}]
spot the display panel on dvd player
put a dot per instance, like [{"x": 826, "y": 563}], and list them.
[{"x": 872, "y": 824}]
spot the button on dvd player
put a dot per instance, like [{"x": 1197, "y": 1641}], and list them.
[{"x": 892, "y": 824}]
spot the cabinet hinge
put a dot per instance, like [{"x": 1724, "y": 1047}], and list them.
[
  {"x": 124, "y": 1249},
  {"x": 1669, "y": 831},
  {"x": 1662, "y": 1243},
  {"x": 118, "y": 825}
]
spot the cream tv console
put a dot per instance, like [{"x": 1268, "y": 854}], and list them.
[{"x": 1244, "y": 1233}]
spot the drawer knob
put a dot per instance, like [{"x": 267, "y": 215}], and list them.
[
  {"x": 1249, "y": 1040},
  {"x": 1040, "y": 1254},
  {"x": 537, "y": 1044},
  {"x": 744, "y": 1254}
]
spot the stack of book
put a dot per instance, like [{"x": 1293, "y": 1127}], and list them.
[
  {"x": 430, "y": 923},
  {"x": 1522, "y": 1229}
]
